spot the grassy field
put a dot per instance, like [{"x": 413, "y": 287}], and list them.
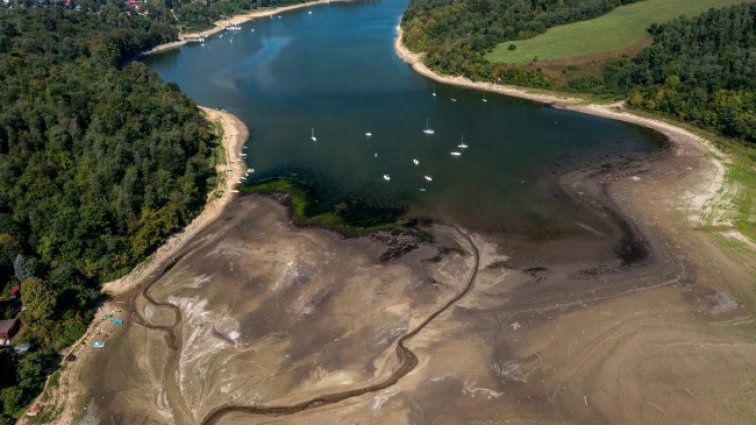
[{"x": 618, "y": 29}]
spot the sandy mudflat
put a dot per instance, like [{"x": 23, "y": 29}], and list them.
[{"x": 260, "y": 321}]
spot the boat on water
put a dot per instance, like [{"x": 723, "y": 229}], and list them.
[
  {"x": 368, "y": 134},
  {"x": 233, "y": 28},
  {"x": 415, "y": 161},
  {"x": 484, "y": 97},
  {"x": 429, "y": 178},
  {"x": 434, "y": 91},
  {"x": 427, "y": 129},
  {"x": 312, "y": 135},
  {"x": 250, "y": 170},
  {"x": 251, "y": 30},
  {"x": 455, "y": 153},
  {"x": 462, "y": 144},
  {"x": 454, "y": 99},
  {"x": 309, "y": 12},
  {"x": 387, "y": 177},
  {"x": 422, "y": 189}
]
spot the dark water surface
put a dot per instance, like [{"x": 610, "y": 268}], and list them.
[{"x": 336, "y": 70}]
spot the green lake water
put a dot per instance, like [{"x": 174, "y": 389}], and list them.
[{"x": 333, "y": 68}]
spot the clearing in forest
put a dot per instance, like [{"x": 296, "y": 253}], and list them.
[{"x": 618, "y": 29}]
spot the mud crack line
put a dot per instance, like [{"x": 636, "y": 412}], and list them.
[{"x": 407, "y": 362}]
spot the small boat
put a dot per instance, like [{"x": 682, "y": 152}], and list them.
[
  {"x": 368, "y": 134},
  {"x": 484, "y": 97},
  {"x": 250, "y": 170},
  {"x": 252, "y": 30},
  {"x": 279, "y": 16},
  {"x": 434, "y": 91},
  {"x": 375, "y": 155},
  {"x": 233, "y": 28},
  {"x": 453, "y": 99},
  {"x": 462, "y": 144},
  {"x": 455, "y": 153},
  {"x": 428, "y": 130},
  {"x": 309, "y": 12},
  {"x": 422, "y": 189},
  {"x": 387, "y": 177},
  {"x": 221, "y": 36},
  {"x": 429, "y": 178},
  {"x": 312, "y": 135},
  {"x": 416, "y": 162}
]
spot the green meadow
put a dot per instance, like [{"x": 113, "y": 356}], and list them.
[{"x": 618, "y": 29}]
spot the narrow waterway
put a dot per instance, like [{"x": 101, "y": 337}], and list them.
[{"x": 332, "y": 68}]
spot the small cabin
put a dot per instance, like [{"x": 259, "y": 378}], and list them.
[{"x": 8, "y": 329}]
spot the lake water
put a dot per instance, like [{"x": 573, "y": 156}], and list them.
[{"x": 335, "y": 70}]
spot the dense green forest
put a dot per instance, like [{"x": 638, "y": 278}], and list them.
[
  {"x": 99, "y": 162},
  {"x": 455, "y": 35},
  {"x": 699, "y": 70}
]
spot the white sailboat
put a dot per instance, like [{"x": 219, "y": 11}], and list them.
[
  {"x": 387, "y": 177},
  {"x": 455, "y": 153},
  {"x": 434, "y": 91},
  {"x": 454, "y": 99},
  {"x": 429, "y": 178},
  {"x": 416, "y": 162},
  {"x": 428, "y": 130},
  {"x": 368, "y": 134},
  {"x": 309, "y": 12},
  {"x": 484, "y": 97},
  {"x": 462, "y": 144},
  {"x": 312, "y": 135}
]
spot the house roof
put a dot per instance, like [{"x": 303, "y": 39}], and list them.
[{"x": 7, "y": 325}]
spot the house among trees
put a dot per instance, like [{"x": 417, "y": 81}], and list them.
[{"x": 8, "y": 328}]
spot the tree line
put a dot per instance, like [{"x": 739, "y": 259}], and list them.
[
  {"x": 100, "y": 161},
  {"x": 699, "y": 70}
]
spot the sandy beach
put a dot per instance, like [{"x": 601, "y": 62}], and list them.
[{"x": 234, "y": 20}]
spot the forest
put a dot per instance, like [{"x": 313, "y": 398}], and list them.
[
  {"x": 699, "y": 70},
  {"x": 100, "y": 161},
  {"x": 455, "y": 35}
]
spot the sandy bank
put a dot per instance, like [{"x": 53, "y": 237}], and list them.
[
  {"x": 234, "y": 20},
  {"x": 235, "y": 134},
  {"x": 65, "y": 395}
]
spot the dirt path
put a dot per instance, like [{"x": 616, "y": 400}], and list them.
[{"x": 64, "y": 398}]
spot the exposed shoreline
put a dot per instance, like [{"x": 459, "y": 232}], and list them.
[
  {"x": 678, "y": 136},
  {"x": 65, "y": 395},
  {"x": 221, "y": 25}
]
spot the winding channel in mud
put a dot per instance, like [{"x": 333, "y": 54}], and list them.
[{"x": 407, "y": 359}]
